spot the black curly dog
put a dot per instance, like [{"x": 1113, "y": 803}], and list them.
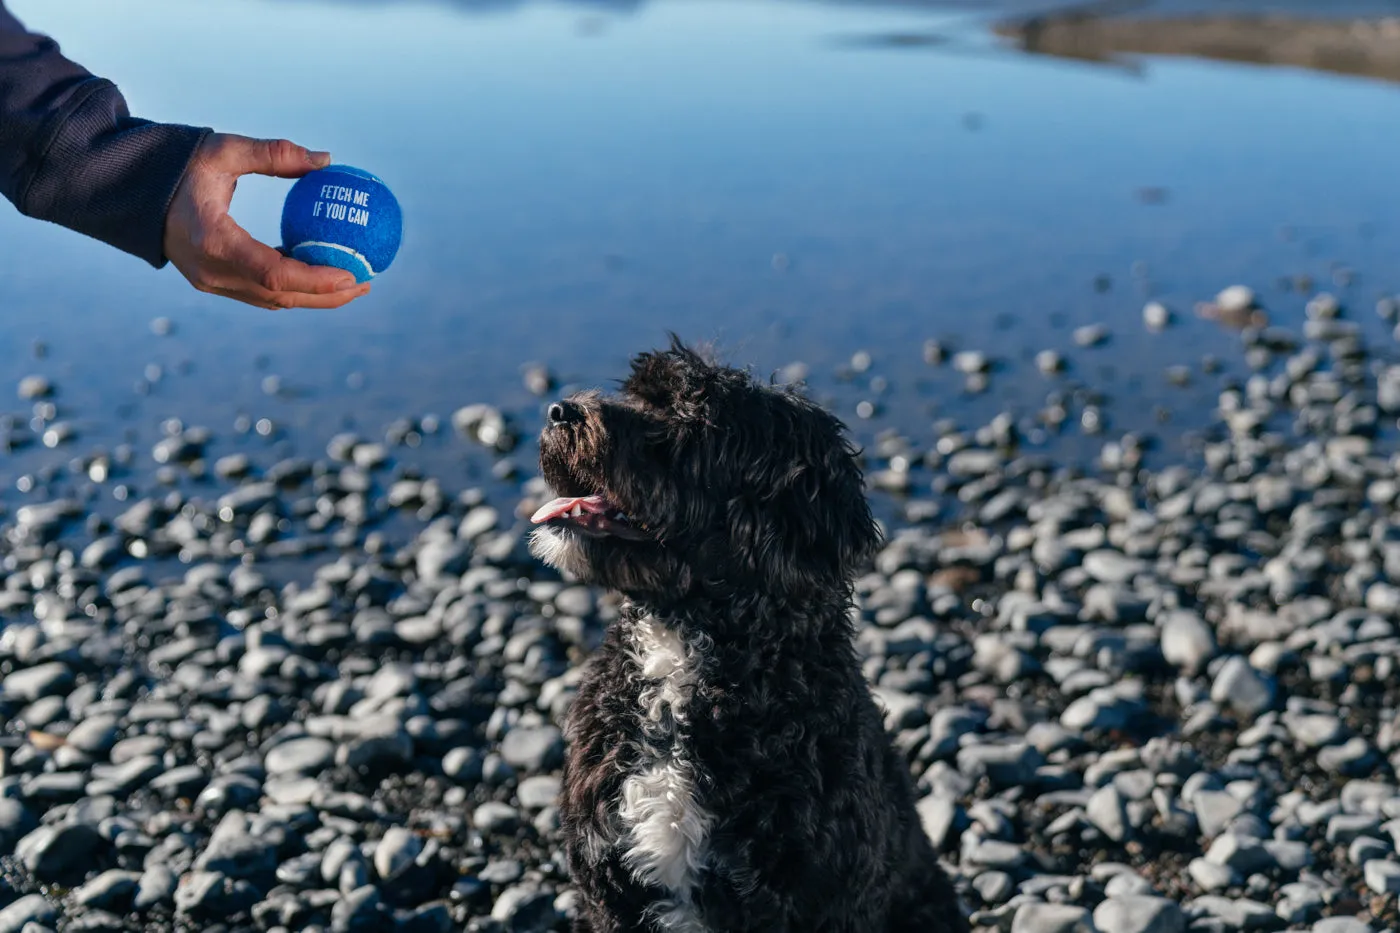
[{"x": 728, "y": 770}]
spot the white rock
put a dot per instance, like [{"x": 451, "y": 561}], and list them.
[
  {"x": 1052, "y": 918},
  {"x": 1139, "y": 914},
  {"x": 1235, "y": 299},
  {"x": 1383, "y": 876}
]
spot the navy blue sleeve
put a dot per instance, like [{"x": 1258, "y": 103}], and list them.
[{"x": 72, "y": 154}]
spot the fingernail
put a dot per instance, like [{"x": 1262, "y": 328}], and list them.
[{"x": 319, "y": 159}]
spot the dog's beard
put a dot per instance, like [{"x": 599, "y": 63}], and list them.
[{"x": 559, "y": 549}]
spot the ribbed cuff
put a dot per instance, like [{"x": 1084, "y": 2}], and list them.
[{"x": 112, "y": 177}]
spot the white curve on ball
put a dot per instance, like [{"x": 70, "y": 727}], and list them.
[{"x": 343, "y": 249}]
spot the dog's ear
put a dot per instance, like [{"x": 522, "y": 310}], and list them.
[
  {"x": 677, "y": 380},
  {"x": 804, "y": 522}
]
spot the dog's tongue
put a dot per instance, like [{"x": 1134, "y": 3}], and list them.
[{"x": 566, "y": 504}]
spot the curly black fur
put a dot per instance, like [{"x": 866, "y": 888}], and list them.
[{"x": 797, "y": 814}]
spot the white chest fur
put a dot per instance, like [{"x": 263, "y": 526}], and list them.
[{"x": 667, "y": 828}]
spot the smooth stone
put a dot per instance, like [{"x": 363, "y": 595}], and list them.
[
  {"x": 1241, "y": 853},
  {"x": 1209, "y": 876},
  {"x": 157, "y": 886},
  {"x": 538, "y": 748},
  {"x": 1090, "y": 335},
  {"x": 233, "y": 851},
  {"x": 30, "y": 909},
  {"x": 1238, "y": 913},
  {"x": 1112, "y": 566},
  {"x": 1344, "y": 827},
  {"x": 305, "y": 755},
  {"x": 524, "y": 907},
  {"x": 1242, "y": 688},
  {"x": 938, "y": 815},
  {"x": 496, "y": 818},
  {"x": 1235, "y": 299},
  {"x": 15, "y": 823},
  {"x": 111, "y": 890},
  {"x": 396, "y": 852},
  {"x": 994, "y": 887},
  {"x": 211, "y": 894},
  {"x": 1007, "y": 765},
  {"x": 502, "y": 871},
  {"x": 95, "y": 735},
  {"x": 54, "y": 852},
  {"x": 1052, "y": 918},
  {"x": 1341, "y": 925},
  {"x": 538, "y": 792},
  {"x": 1382, "y": 876},
  {"x": 1107, "y": 811},
  {"x": 1187, "y": 641},
  {"x": 992, "y": 853},
  {"x": 1214, "y": 811},
  {"x": 1139, "y": 914},
  {"x": 182, "y": 781},
  {"x": 31, "y": 683},
  {"x": 463, "y": 764},
  {"x": 1316, "y": 730}
]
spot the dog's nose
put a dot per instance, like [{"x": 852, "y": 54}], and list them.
[{"x": 564, "y": 413}]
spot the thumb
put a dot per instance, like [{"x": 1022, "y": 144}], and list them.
[{"x": 277, "y": 157}]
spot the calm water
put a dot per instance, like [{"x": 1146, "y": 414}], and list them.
[{"x": 794, "y": 180}]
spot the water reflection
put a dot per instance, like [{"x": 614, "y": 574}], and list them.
[{"x": 1368, "y": 48}]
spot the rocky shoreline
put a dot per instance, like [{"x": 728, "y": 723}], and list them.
[{"x": 1135, "y": 700}]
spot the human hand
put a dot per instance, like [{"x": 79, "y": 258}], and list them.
[{"x": 218, "y": 256}]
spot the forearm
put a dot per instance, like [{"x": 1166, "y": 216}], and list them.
[{"x": 71, "y": 153}]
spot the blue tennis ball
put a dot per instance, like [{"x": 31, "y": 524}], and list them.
[{"x": 343, "y": 217}]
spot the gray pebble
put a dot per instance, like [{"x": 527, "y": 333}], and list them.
[
  {"x": 524, "y": 907},
  {"x": 1051, "y": 918},
  {"x": 1090, "y": 335},
  {"x": 1341, "y": 925},
  {"x": 994, "y": 887},
  {"x": 1156, "y": 316},
  {"x": 495, "y": 818},
  {"x": 235, "y": 852},
  {"x": 56, "y": 852},
  {"x": 1187, "y": 641},
  {"x": 533, "y": 749},
  {"x": 308, "y": 755},
  {"x": 95, "y": 735},
  {"x": 1106, "y": 810},
  {"x": 1139, "y": 915},
  {"x": 463, "y": 764},
  {"x": 1243, "y": 854},
  {"x": 1005, "y": 765},
  {"x": 1235, "y": 299},
  {"x": 502, "y": 872},
  {"x": 1211, "y": 877},
  {"x": 42, "y": 680},
  {"x": 1242, "y": 688},
  {"x": 156, "y": 887},
  {"x": 538, "y": 792},
  {"x": 32, "y": 908},
  {"x": 1383, "y": 876},
  {"x": 1112, "y": 566},
  {"x": 15, "y": 822},
  {"x": 396, "y": 852},
  {"x": 111, "y": 890}
]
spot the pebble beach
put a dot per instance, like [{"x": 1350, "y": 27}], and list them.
[
  {"x": 1139, "y": 694},
  {"x": 274, "y": 657}
]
